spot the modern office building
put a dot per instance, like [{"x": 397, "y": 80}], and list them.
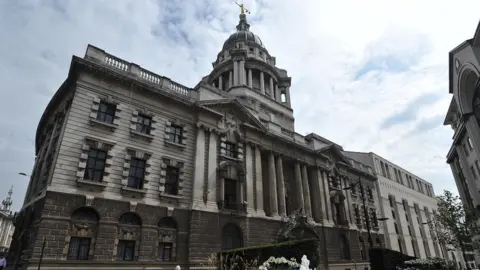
[
  {"x": 6, "y": 222},
  {"x": 463, "y": 116},
  {"x": 410, "y": 205},
  {"x": 135, "y": 170}
]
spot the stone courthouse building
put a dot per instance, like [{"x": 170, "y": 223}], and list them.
[{"x": 135, "y": 170}]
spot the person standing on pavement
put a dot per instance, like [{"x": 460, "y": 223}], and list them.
[{"x": 3, "y": 262}]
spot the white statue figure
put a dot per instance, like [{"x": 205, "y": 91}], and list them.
[
  {"x": 305, "y": 263},
  {"x": 178, "y": 267}
]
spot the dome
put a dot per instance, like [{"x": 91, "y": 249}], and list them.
[{"x": 244, "y": 36}]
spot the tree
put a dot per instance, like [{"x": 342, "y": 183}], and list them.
[{"x": 456, "y": 224}]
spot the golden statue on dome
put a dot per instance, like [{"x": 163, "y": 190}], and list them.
[{"x": 242, "y": 8}]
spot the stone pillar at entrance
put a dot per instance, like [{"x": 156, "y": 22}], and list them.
[
  {"x": 212, "y": 171},
  {"x": 272, "y": 185},
  {"x": 281, "y": 188},
  {"x": 250, "y": 82},
  {"x": 249, "y": 177},
  {"x": 298, "y": 187},
  {"x": 306, "y": 191},
  {"x": 259, "y": 182}
]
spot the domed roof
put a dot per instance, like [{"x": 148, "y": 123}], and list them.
[{"x": 243, "y": 34}]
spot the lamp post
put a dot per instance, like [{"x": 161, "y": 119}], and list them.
[{"x": 365, "y": 212}]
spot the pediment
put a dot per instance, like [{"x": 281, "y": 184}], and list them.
[
  {"x": 334, "y": 155},
  {"x": 234, "y": 113}
]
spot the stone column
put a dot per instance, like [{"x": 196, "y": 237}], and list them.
[
  {"x": 198, "y": 186},
  {"x": 230, "y": 79},
  {"x": 272, "y": 92},
  {"x": 287, "y": 96},
  {"x": 249, "y": 177},
  {"x": 282, "y": 211},
  {"x": 306, "y": 191},
  {"x": 328, "y": 204},
  {"x": 272, "y": 185},
  {"x": 235, "y": 73},
  {"x": 278, "y": 97},
  {"x": 262, "y": 82},
  {"x": 212, "y": 171},
  {"x": 298, "y": 187},
  {"x": 349, "y": 201},
  {"x": 318, "y": 208},
  {"x": 250, "y": 82},
  {"x": 220, "y": 82},
  {"x": 258, "y": 181},
  {"x": 241, "y": 72}
]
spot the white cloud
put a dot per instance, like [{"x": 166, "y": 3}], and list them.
[{"x": 322, "y": 44}]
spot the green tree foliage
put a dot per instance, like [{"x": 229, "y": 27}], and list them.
[{"x": 457, "y": 224}]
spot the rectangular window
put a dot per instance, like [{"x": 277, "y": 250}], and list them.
[
  {"x": 474, "y": 173},
  {"x": 125, "y": 250},
  {"x": 165, "y": 251},
  {"x": 175, "y": 134},
  {"x": 370, "y": 193},
  {"x": 400, "y": 177},
  {"x": 144, "y": 124},
  {"x": 383, "y": 169},
  {"x": 393, "y": 214},
  {"x": 396, "y": 228},
  {"x": 230, "y": 193},
  {"x": 137, "y": 173},
  {"x": 78, "y": 248},
  {"x": 373, "y": 213},
  {"x": 395, "y": 173},
  {"x": 171, "y": 182},
  {"x": 357, "y": 215},
  {"x": 388, "y": 171},
  {"x": 95, "y": 165},
  {"x": 230, "y": 150},
  {"x": 469, "y": 142},
  {"x": 106, "y": 112},
  {"x": 391, "y": 200}
]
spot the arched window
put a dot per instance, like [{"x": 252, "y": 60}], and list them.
[
  {"x": 344, "y": 248},
  {"x": 231, "y": 237},
  {"x": 167, "y": 239},
  {"x": 363, "y": 252},
  {"x": 81, "y": 239},
  {"x": 130, "y": 233},
  {"x": 130, "y": 219}
]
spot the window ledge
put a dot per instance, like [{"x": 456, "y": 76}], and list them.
[
  {"x": 88, "y": 183},
  {"x": 135, "y": 133},
  {"x": 95, "y": 122},
  {"x": 170, "y": 196},
  {"x": 231, "y": 158},
  {"x": 134, "y": 190},
  {"x": 179, "y": 145}
]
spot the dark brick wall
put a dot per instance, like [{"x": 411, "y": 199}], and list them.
[
  {"x": 55, "y": 225},
  {"x": 199, "y": 233}
]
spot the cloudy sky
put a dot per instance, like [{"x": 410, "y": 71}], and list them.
[{"x": 370, "y": 75}]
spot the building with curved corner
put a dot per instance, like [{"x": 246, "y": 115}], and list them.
[
  {"x": 135, "y": 170},
  {"x": 463, "y": 116}
]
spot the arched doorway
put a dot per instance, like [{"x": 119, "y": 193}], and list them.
[{"x": 232, "y": 237}]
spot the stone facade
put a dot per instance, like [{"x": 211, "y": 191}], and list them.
[
  {"x": 6, "y": 223},
  {"x": 463, "y": 116},
  {"x": 139, "y": 171}
]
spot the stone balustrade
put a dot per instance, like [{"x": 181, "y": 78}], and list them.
[{"x": 100, "y": 56}]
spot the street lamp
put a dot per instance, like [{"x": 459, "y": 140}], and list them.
[{"x": 365, "y": 212}]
